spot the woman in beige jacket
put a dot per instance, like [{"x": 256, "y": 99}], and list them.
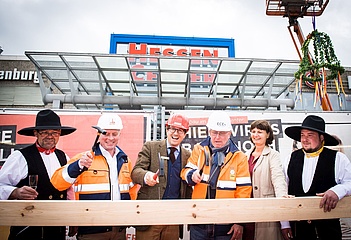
[{"x": 267, "y": 178}]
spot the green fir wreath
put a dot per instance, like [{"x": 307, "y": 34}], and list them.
[{"x": 324, "y": 57}]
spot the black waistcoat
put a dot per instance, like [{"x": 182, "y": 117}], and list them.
[
  {"x": 324, "y": 176},
  {"x": 36, "y": 167},
  {"x": 46, "y": 192}
]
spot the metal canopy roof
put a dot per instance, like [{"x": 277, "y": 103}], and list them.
[{"x": 97, "y": 81}]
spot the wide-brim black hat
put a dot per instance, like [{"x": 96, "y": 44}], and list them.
[
  {"x": 47, "y": 119},
  {"x": 313, "y": 123}
]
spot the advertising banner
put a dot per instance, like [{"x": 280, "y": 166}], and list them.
[{"x": 132, "y": 137}]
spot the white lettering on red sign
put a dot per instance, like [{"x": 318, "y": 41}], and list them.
[
  {"x": 149, "y": 62},
  {"x": 144, "y": 49}
]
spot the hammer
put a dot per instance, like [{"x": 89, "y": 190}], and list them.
[{"x": 99, "y": 132}]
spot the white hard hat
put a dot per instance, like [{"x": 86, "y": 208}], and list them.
[
  {"x": 110, "y": 121},
  {"x": 219, "y": 121}
]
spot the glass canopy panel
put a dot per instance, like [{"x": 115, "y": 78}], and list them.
[
  {"x": 116, "y": 87},
  {"x": 171, "y": 77},
  {"x": 121, "y": 94},
  {"x": 229, "y": 78},
  {"x": 201, "y": 84},
  {"x": 202, "y": 77},
  {"x": 205, "y": 65},
  {"x": 276, "y": 91},
  {"x": 63, "y": 86},
  {"x": 75, "y": 86},
  {"x": 283, "y": 80},
  {"x": 75, "y": 61},
  {"x": 87, "y": 75},
  {"x": 48, "y": 60},
  {"x": 57, "y": 74},
  {"x": 256, "y": 79},
  {"x": 225, "y": 90},
  {"x": 288, "y": 68},
  {"x": 263, "y": 67},
  {"x": 199, "y": 92},
  {"x": 172, "y": 94},
  {"x": 179, "y": 88},
  {"x": 142, "y": 62},
  {"x": 139, "y": 73},
  {"x": 112, "y": 62},
  {"x": 233, "y": 66},
  {"x": 250, "y": 90},
  {"x": 92, "y": 87},
  {"x": 177, "y": 64},
  {"x": 146, "y": 90},
  {"x": 117, "y": 75}
]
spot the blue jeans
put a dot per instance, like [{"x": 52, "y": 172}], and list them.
[{"x": 208, "y": 232}]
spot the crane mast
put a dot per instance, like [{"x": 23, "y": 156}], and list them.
[{"x": 294, "y": 9}]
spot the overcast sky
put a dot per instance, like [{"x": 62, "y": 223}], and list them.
[{"x": 84, "y": 26}]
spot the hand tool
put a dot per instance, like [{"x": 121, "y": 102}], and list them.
[{"x": 93, "y": 148}]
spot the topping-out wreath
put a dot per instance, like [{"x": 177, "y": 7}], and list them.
[{"x": 322, "y": 68}]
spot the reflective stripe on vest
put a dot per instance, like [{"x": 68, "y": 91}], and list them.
[
  {"x": 243, "y": 181},
  {"x": 125, "y": 187},
  {"x": 206, "y": 177},
  {"x": 191, "y": 165},
  {"x": 230, "y": 185},
  {"x": 92, "y": 187}
]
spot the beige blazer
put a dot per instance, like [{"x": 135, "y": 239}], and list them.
[{"x": 268, "y": 180}]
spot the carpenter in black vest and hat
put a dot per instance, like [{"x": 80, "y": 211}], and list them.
[
  {"x": 40, "y": 159},
  {"x": 317, "y": 170}
]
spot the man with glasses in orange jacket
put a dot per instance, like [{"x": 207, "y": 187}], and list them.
[
  {"x": 217, "y": 169},
  {"x": 157, "y": 170}
]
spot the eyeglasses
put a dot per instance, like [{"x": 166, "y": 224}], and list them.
[
  {"x": 178, "y": 130},
  {"x": 220, "y": 134},
  {"x": 46, "y": 133}
]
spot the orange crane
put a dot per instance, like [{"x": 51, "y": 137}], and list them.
[{"x": 294, "y": 9}]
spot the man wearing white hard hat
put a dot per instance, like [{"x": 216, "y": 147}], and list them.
[
  {"x": 96, "y": 176},
  {"x": 217, "y": 169}
]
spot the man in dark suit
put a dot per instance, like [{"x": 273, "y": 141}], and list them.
[{"x": 157, "y": 170}]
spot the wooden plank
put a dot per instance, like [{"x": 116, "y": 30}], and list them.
[{"x": 153, "y": 212}]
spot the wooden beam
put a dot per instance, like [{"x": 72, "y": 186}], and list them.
[{"x": 154, "y": 212}]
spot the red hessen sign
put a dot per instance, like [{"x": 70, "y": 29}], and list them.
[{"x": 142, "y": 63}]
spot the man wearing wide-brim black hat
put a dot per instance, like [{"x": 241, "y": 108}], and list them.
[
  {"x": 41, "y": 159},
  {"x": 317, "y": 170}
]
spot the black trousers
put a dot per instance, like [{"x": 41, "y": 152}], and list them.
[
  {"x": 328, "y": 229},
  {"x": 37, "y": 233}
]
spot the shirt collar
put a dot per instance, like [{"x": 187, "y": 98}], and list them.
[{"x": 168, "y": 146}]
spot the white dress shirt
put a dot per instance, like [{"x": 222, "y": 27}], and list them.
[
  {"x": 15, "y": 169},
  {"x": 342, "y": 174},
  {"x": 112, "y": 164}
]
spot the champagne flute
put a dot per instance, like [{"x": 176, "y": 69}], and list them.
[{"x": 33, "y": 181}]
